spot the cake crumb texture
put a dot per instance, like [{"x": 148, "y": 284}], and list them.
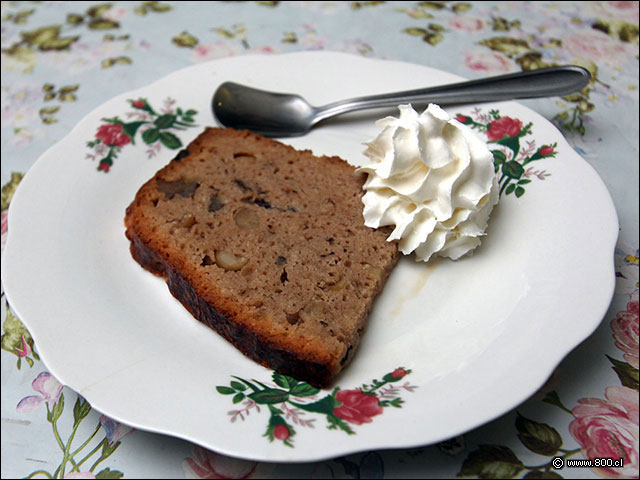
[{"x": 266, "y": 245}]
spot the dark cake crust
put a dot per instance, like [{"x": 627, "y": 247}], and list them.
[
  {"x": 266, "y": 245},
  {"x": 249, "y": 343}
]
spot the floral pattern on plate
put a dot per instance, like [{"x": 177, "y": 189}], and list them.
[
  {"x": 157, "y": 129},
  {"x": 510, "y": 159},
  {"x": 288, "y": 400}
]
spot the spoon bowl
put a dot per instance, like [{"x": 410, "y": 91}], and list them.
[{"x": 274, "y": 114}]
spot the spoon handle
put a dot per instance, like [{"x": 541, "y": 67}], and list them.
[{"x": 544, "y": 82}]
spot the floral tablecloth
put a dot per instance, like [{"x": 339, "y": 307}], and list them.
[{"x": 60, "y": 60}]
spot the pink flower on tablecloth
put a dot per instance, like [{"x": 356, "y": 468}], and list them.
[
  {"x": 204, "y": 52},
  {"x": 488, "y": 62},
  {"x": 208, "y": 464},
  {"x": 112, "y": 134},
  {"x": 48, "y": 387},
  {"x": 466, "y": 24},
  {"x": 625, "y": 332},
  {"x": 504, "y": 127},
  {"x": 627, "y": 11},
  {"x": 115, "y": 431},
  {"x": 609, "y": 428},
  {"x": 357, "y": 407},
  {"x": 25, "y": 349},
  {"x": 5, "y": 226},
  {"x": 596, "y": 46},
  {"x": 80, "y": 475}
]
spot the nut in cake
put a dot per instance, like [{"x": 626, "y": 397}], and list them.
[{"x": 266, "y": 245}]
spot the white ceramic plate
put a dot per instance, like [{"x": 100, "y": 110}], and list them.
[{"x": 479, "y": 335}]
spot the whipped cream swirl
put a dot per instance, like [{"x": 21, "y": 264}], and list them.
[{"x": 433, "y": 178}]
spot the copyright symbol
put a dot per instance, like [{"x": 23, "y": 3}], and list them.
[{"x": 557, "y": 463}]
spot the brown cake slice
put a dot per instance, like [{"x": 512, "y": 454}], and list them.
[{"x": 266, "y": 245}]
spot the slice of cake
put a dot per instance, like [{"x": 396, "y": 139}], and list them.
[{"x": 267, "y": 246}]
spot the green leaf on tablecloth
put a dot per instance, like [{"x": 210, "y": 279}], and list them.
[
  {"x": 40, "y": 35},
  {"x": 627, "y": 374},
  {"x": 538, "y": 437},
  {"x": 433, "y": 38},
  {"x": 9, "y": 188},
  {"x": 532, "y": 61},
  {"x": 508, "y": 45},
  {"x": 14, "y": 338},
  {"x": 108, "y": 473},
  {"x": 81, "y": 409},
  {"x": 121, "y": 60},
  {"x": 415, "y": 31},
  {"x": 185, "y": 39},
  {"x": 59, "y": 43},
  {"x": 553, "y": 398},
  {"x": 158, "y": 7},
  {"x": 97, "y": 11},
  {"x": 56, "y": 411},
  {"x": 74, "y": 19},
  {"x": 109, "y": 448},
  {"x": 103, "y": 24},
  {"x": 491, "y": 461},
  {"x": 461, "y": 7},
  {"x": 535, "y": 474}
]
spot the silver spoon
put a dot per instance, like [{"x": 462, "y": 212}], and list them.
[{"x": 281, "y": 115}]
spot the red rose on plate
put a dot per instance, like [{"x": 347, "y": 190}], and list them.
[
  {"x": 609, "y": 428},
  {"x": 281, "y": 432},
  {"x": 504, "y": 127},
  {"x": 546, "y": 150},
  {"x": 357, "y": 407},
  {"x": 111, "y": 134},
  {"x": 398, "y": 373}
]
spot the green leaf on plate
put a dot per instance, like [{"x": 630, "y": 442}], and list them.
[
  {"x": 269, "y": 396},
  {"x": 303, "y": 390},
  {"x": 150, "y": 136},
  {"x": 226, "y": 390},
  {"x": 283, "y": 381},
  {"x": 238, "y": 397},
  {"x": 169, "y": 140},
  {"x": 240, "y": 387}
]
